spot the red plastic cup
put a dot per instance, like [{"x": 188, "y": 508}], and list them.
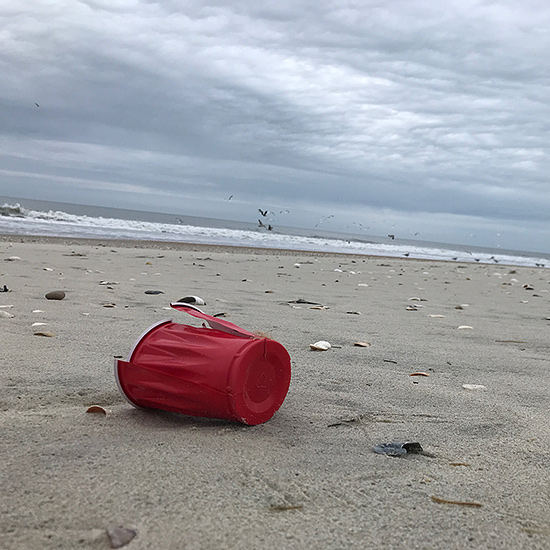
[{"x": 219, "y": 372}]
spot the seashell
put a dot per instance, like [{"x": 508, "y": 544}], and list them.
[
  {"x": 319, "y": 307},
  {"x": 55, "y": 295},
  {"x": 473, "y": 387},
  {"x": 38, "y": 311},
  {"x": 47, "y": 269},
  {"x": 108, "y": 304},
  {"x": 528, "y": 287},
  {"x": 6, "y": 315},
  {"x": 120, "y": 536},
  {"x": 362, "y": 284},
  {"x": 354, "y": 313},
  {"x": 297, "y": 265},
  {"x": 96, "y": 409},
  {"x": 192, "y": 300},
  {"x": 108, "y": 283},
  {"x": 37, "y": 324},
  {"x": 437, "y": 316},
  {"x": 362, "y": 344},
  {"x": 8, "y": 306},
  {"x": 465, "y": 327},
  {"x": 321, "y": 345},
  {"x": 12, "y": 259},
  {"x": 45, "y": 334},
  {"x": 415, "y": 299},
  {"x": 153, "y": 292},
  {"x": 411, "y": 308},
  {"x": 419, "y": 374}
]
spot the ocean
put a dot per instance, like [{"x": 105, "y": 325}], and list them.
[{"x": 34, "y": 217}]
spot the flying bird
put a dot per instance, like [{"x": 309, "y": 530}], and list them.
[
  {"x": 37, "y": 104},
  {"x": 230, "y": 198},
  {"x": 324, "y": 219}
]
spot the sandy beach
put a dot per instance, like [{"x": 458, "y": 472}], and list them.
[{"x": 307, "y": 478}]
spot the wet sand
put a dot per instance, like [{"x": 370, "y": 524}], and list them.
[{"x": 309, "y": 476}]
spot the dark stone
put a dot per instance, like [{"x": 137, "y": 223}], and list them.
[{"x": 55, "y": 295}]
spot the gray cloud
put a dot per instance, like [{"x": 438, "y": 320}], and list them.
[{"x": 411, "y": 111}]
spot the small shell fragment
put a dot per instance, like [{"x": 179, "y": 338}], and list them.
[
  {"x": 436, "y": 316},
  {"x": 38, "y": 324},
  {"x": 45, "y": 334},
  {"x": 96, "y": 409},
  {"x": 461, "y": 327},
  {"x": 322, "y": 345},
  {"x": 5, "y": 315},
  {"x": 362, "y": 344},
  {"x": 411, "y": 308},
  {"x": 120, "y": 536},
  {"x": 473, "y": 387},
  {"x": 12, "y": 259},
  {"x": 419, "y": 374}
]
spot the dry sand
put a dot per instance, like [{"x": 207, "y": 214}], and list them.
[{"x": 308, "y": 478}]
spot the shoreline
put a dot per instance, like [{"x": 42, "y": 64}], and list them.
[{"x": 194, "y": 247}]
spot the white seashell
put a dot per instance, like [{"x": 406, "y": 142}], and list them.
[
  {"x": 37, "y": 324},
  {"x": 437, "y": 316},
  {"x": 415, "y": 299},
  {"x": 362, "y": 284},
  {"x": 85, "y": 314},
  {"x": 6, "y": 306},
  {"x": 47, "y": 269},
  {"x": 12, "y": 259},
  {"x": 192, "y": 300},
  {"x": 108, "y": 283},
  {"x": 465, "y": 326},
  {"x": 362, "y": 344},
  {"x": 322, "y": 345},
  {"x": 473, "y": 386},
  {"x": 297, "y": 265},
  {"x": 339, "y": 270},
  {"x": 38, "y": 311},
  {"x": 6, "y": 315}
]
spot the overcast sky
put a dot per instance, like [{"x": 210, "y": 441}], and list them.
[{"x": 406, "y": 116}]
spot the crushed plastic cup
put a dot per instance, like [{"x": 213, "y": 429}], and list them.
[{"x": 214, "y": 371}]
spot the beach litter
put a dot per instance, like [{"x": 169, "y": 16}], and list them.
[
  {"x": 399, "y": 449},
  {"x": 120, "y": 536},
  {"x": 215, "y": 371}
]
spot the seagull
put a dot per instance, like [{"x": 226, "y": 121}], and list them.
[
  {"x": 230, "y": 198},
  {"x": 263, "y": 212},
  {"x": 37, "y": 104},
  {"x": 324, "y": 219},
  {"x": 392, "y": 237}
]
